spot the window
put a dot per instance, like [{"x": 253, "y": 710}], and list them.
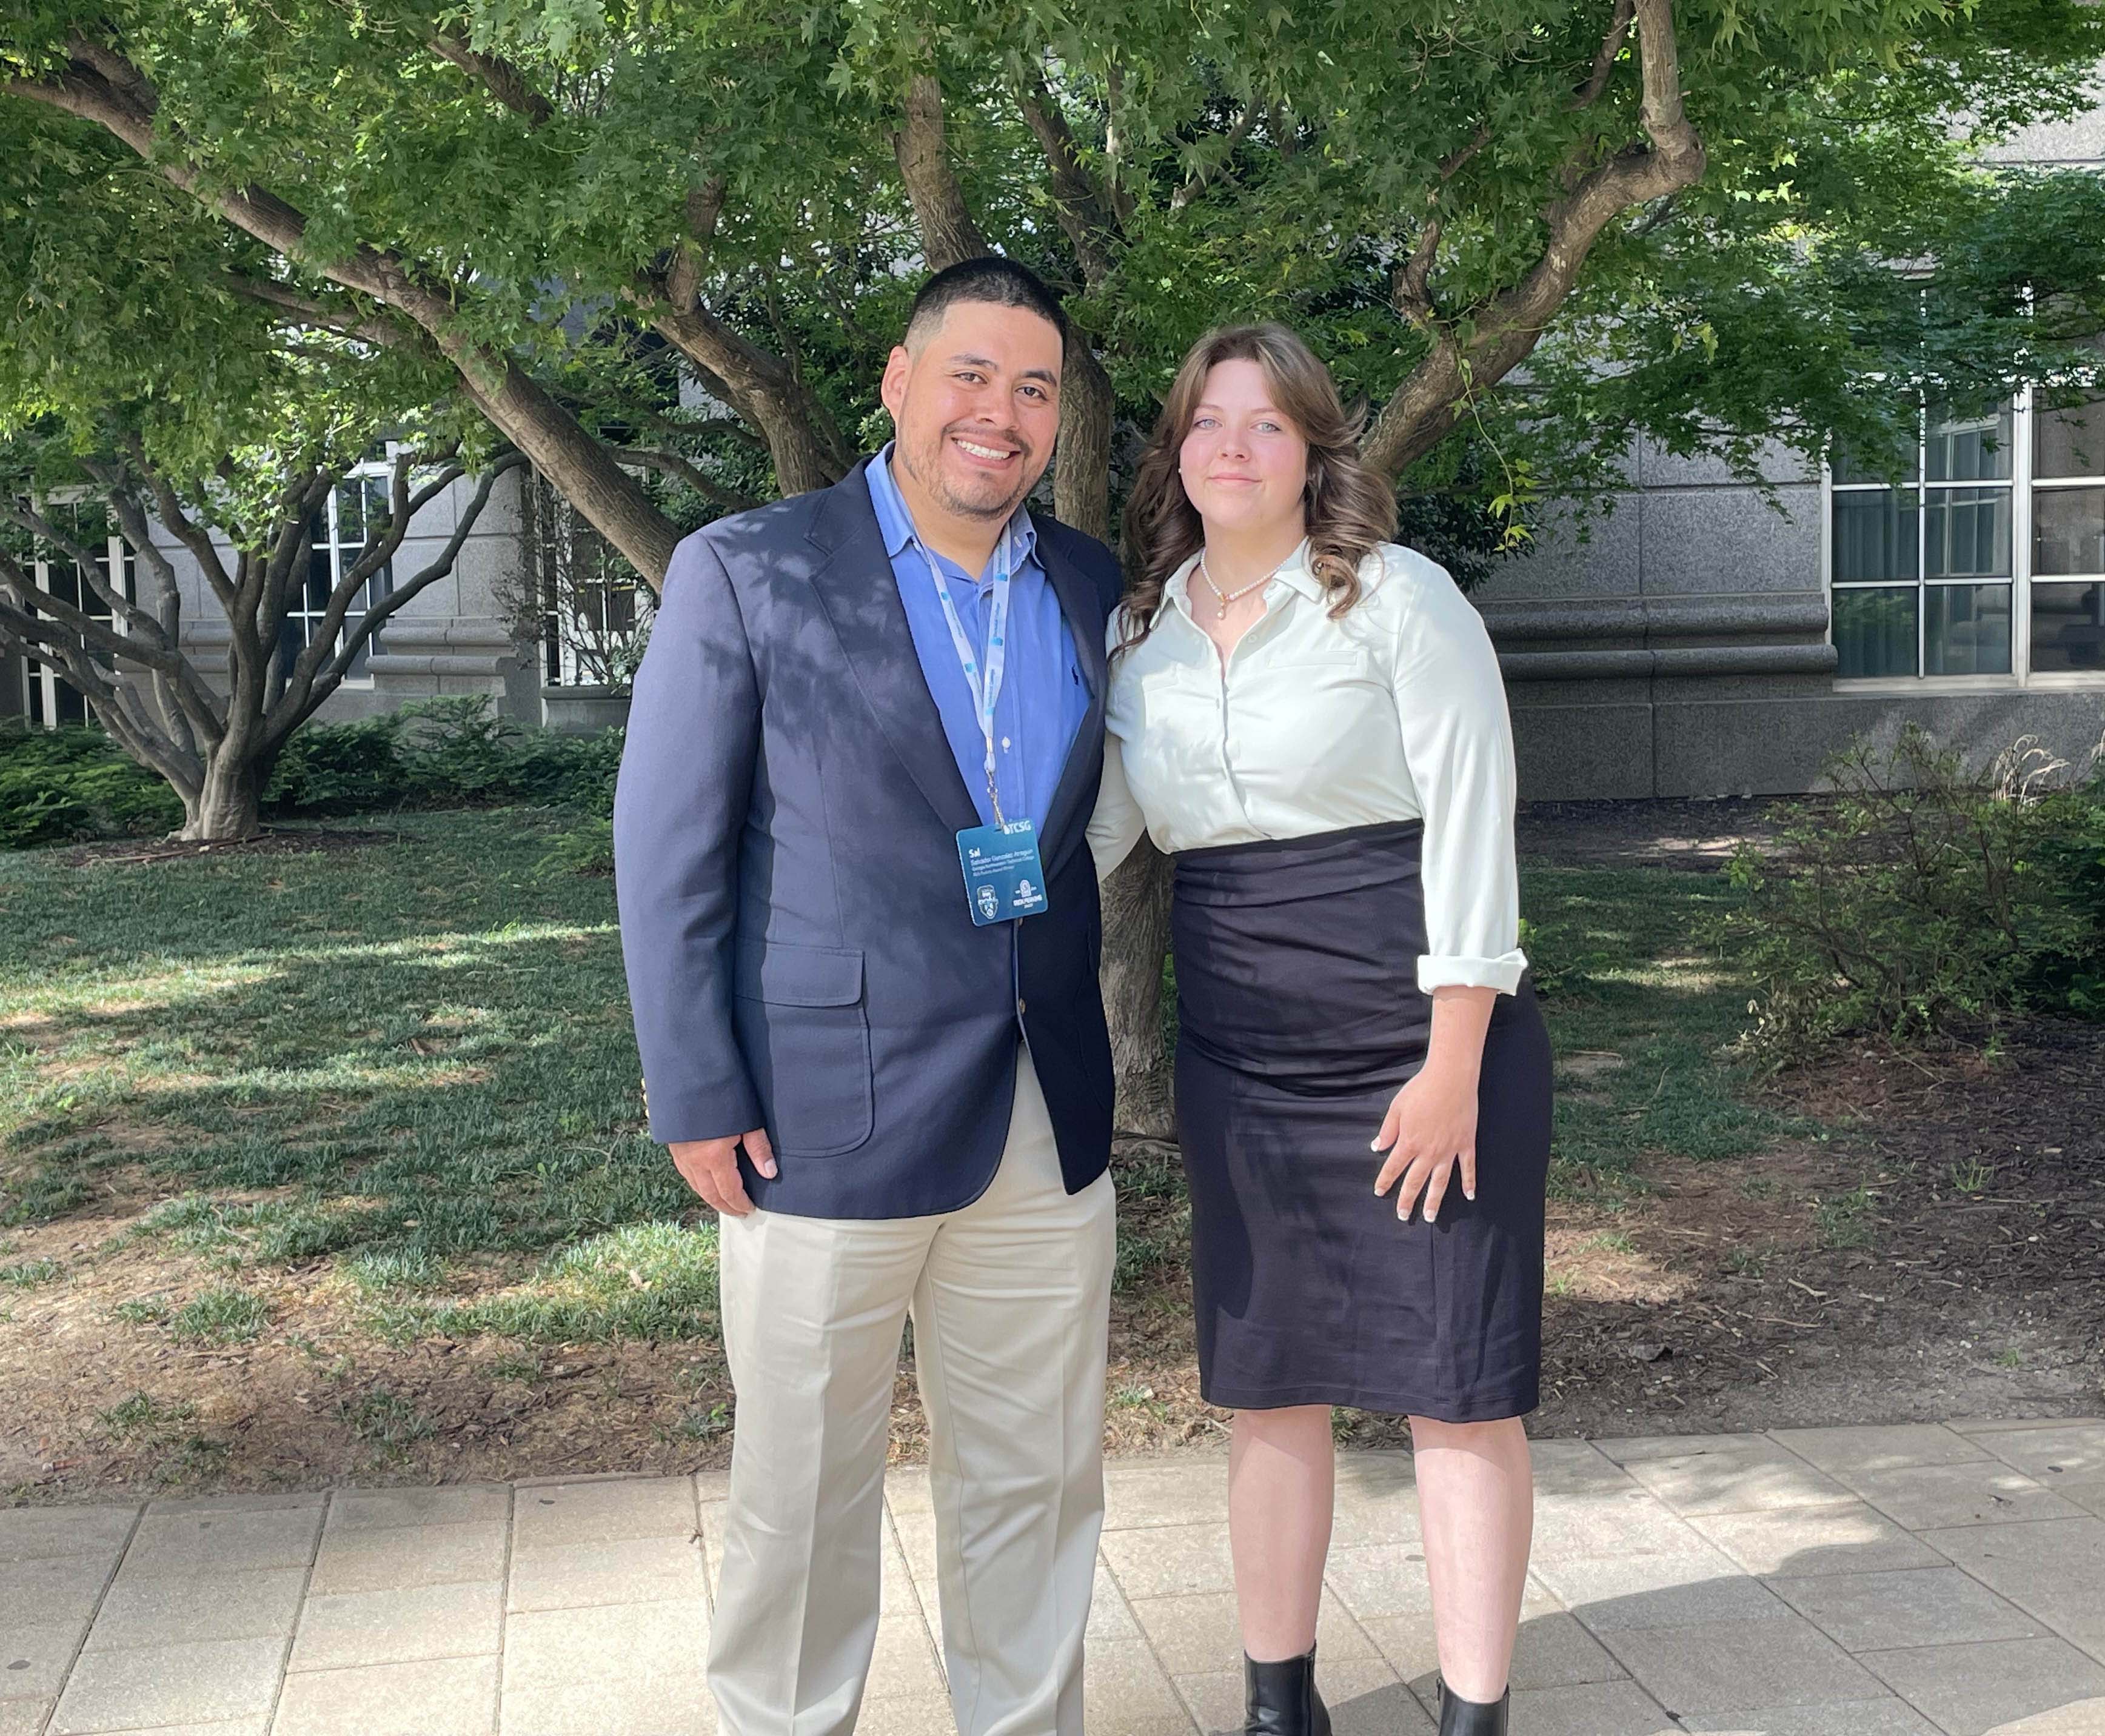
[
  {"x": 594, "y": 612},
  {"x": 336, "y": 537},
  {"x": 2067, "y": 634},
  {"x": 52, "y": 699},
  {"x": 1983, "y": 560}
]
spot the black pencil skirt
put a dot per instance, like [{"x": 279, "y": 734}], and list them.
[{"x": 1300, "y": 1017}]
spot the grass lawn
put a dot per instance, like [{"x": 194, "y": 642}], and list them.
[{"x": 335, "y": 1161}]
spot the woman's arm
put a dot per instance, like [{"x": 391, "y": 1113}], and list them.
[
  {"x": 1116, "y": 825},
  {"x": 1458, "y": 743},
  {"x": 1451, "y": 705}
]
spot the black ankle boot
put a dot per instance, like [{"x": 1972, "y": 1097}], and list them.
[
  {"x": 1282, "y": 1700},
  {"x": 1461, "y": 1717}
]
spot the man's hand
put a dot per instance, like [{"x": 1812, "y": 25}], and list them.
[{"x": 710, "y": 1168}]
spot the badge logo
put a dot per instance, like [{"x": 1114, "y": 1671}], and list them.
[
  {"x": 1026, "y": 893},
  {"x": 989, "y": 905}
]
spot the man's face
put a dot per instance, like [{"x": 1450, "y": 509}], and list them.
[{"x": 976, "y": 405}]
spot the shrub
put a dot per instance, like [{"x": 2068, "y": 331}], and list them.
[
  {"x": 339, "y": 768},
  {"x": 61, "y": 786},
  {"x": 1923, "y": 897},
  {"x": 440, "y": 753}
]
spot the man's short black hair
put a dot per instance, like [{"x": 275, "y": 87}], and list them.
[{"x": 988, "y": 278}]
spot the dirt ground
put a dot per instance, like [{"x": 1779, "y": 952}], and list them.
[{"x": 1940, "y": 1254}]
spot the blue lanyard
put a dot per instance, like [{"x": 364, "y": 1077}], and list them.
[{"x": 985, "y": 688}]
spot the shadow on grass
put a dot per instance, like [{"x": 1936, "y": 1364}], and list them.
[{"x": 456, "y": 1080}]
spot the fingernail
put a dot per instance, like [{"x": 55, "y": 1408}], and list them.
[
  {"x": 1373, "y": 1144},
  {"x": 1468, "y": 1193},
  {"x": 1430, "y": 1216}
]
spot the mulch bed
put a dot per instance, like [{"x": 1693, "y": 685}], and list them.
[{"x": 136, "y": 852}]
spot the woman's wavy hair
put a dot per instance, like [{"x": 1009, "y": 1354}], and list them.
[{"x": 1350, "y": 508}]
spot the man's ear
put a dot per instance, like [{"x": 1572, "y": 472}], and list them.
[{"x": 893, "y": 389}]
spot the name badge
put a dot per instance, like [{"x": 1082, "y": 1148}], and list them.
[{"x": 1003, "y": 877}]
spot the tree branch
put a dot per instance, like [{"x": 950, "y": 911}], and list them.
[
  {"x": 1508, "y": 325},
  {"x": 613, "y": 501},
  {"x": 89, "y": 565},
  {"x": 494, "y": 74},
  {"x": 672, "y": 464},
  {"x": 1604, "y": 61},
  {"x": 1087, "y": 215},
  {"x": 949, "y": 232},
  {"x": 281, "y": 723},
  {"x": 705, "y": 211}
]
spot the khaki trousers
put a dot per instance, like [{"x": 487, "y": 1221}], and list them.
[{"x": 1010, "y": 1298}]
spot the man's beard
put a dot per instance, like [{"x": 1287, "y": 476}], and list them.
[{"x": 928, "y": 470}]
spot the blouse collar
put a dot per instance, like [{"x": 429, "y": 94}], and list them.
[{"x": 1293, "y": 572}]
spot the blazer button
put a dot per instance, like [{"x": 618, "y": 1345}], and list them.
[{"x": 1019, "y": 1007}]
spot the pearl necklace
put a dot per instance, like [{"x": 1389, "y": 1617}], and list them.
[{"x": 1226, "y": 597}]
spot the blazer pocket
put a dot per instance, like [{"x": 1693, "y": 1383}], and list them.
[{"x": 805, "y": 1029}]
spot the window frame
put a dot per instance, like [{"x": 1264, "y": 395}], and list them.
[
  {"x": 41, "y": 682},
  {"x": 2022, "y": 484},
  {"x": 382, "y": 469}
]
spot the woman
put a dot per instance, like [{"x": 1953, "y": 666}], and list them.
[{"x": 1309, "y": 718}]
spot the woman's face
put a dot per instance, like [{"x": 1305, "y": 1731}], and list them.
[{"x": 1244, "y": 466}]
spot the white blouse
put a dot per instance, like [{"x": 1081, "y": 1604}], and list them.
[{"x": 1394, "y": 712}]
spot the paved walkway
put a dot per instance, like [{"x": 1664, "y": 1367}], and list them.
[{"x": 1862, "y": 1581}]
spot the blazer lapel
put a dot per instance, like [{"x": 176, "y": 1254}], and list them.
[
  {"x": 856, "y": 588},
  {"x": 1080, "y": 603}
]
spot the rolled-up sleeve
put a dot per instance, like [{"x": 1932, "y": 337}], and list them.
[{"x": 1458, "y": 743}]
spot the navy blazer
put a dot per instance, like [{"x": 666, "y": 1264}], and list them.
[{"x": 800, "y": 953}]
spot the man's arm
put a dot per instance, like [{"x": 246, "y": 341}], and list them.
[{"x": 679, "y": 808}]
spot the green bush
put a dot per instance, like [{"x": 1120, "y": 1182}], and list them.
[
  {"x": 62, "y": 785},
  {"x": 2071, "y": 848},
  {"x": 442, "y": 753},
  {"x": 339, "y": 768},
  {"x": 1924, "y": 898}
]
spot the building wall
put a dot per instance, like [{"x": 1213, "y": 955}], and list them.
[{"x": 1679, "y": 646}]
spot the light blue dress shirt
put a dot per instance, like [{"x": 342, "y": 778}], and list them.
[{"x": 1045, "y": 697}]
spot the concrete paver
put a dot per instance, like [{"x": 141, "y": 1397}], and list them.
[
  {"x": 159, "y": 1610},
  {"x": 1921, "y": 1606},
  {"x": 38, "y": 1533},
  {"x": 142, "y": 1686},
  {"x": 431, "y": 1696},
  {"x": 1925, "y": 1497},
  {"x": 2054, "y": 1570},
  {"x": 1852, "y": 1539},
  {"x": 1882, "y": 1717},
  {"x": 1911, "y": 1580},
  {"x": 1972, "y": 1689},
  {"x": 402, "y": 1624},
  {"x": 1886, "y": 1447}
]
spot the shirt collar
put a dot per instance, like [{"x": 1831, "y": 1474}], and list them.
[
  {"x": 895, "y": 523},
  {"x": 1293, "y": 572}
]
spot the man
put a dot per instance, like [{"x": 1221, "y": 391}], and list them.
[{"x": 860, "y": 918}]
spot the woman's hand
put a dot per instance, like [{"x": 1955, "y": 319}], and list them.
[{"x": 1430, "y": 1127}]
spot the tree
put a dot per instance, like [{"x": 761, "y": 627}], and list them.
[
  {"x": 231, "y": 431},
  {"x": 1448, "y": 197}
]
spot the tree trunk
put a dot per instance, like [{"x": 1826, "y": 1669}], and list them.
[
  {"x": 1135, "y": 941},
  {"x": 227, "y": 808},
  {"x": 1136, "y": 897},
  {"x": 1082, "y": 461}
]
